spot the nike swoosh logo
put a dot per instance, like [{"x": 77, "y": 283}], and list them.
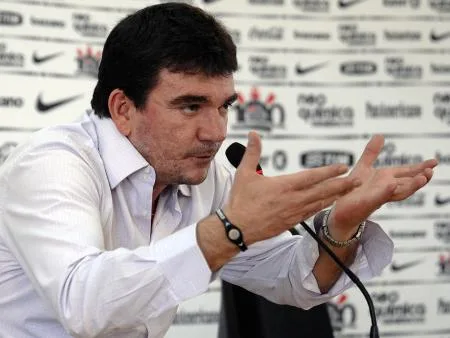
[
  {"x": 305, "y": 70},
  {"x": 45, "y": 107},
  {"x": 400, "y": 267},
  {"x": 348, "y": 3},
  {"x": 40, "y": 59},
  {"x": 438, "y": 37},
  {"x": 441, "y": 201}
]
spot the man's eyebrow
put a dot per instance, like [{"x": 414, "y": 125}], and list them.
[
  {"x": 186, "y": 99},
  {"x": 231, "y": 99}
]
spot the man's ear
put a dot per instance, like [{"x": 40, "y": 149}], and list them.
[{"x": 121, "y": 109}]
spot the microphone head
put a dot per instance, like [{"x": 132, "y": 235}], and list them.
[{"x": 235, "y": 152}]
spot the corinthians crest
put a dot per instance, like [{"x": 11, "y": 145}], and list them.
[
  {"x": 258, "y": 114},
  {"x": 88, "y": 62},
  {"x": 342, "y": 314}
]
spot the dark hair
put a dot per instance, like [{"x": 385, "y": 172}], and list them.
[{"x": 173, "y": 36}]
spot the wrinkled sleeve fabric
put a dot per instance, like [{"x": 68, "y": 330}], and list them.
[
  {"x": 280, "y": 268},
  {"x": 51, "y": 220}
]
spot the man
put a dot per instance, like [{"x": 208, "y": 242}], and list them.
[{"x": 108, "y": 224}]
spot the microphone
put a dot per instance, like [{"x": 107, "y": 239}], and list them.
[{"x": 234, "y": 154}]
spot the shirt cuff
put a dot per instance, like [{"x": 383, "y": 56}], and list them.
[
  {"x": 183, "y": 263},
  {"x": 373, "y": 255}
]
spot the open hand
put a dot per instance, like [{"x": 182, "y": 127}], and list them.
[
  {"x": 379, "y": 186},
  {"x": 266, "y": 206}
]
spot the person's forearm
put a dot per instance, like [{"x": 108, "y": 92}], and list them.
[
  {"x": 89, "y": 295},
  {"x": 326, "y": 271},
  {"x": 218, "y": 250},
  {"x": 213, "y": 242}
]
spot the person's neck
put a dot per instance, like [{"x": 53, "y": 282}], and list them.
[{"x": 157, "y": 190}]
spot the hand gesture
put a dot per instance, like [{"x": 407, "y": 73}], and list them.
[
  {"x": 266, "y": 206},
  {"x": 378, "y": 186}
]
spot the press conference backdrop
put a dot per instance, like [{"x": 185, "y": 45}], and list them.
[{"x": 316, "y": 78}]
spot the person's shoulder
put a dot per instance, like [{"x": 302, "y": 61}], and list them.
[
  {"x": 74, "y": 139},
  {"x": 78, "y": 135}
]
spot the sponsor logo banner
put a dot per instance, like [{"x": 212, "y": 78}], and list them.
[{"x": 10, "y": 18}]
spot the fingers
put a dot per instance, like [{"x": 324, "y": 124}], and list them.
[
  {"x": 424, "y": 167},
  {"x": 371, "y": 151},
  {"x": 428, "y": 173},
  {"x": 314, "y": 207},
  {"x": 310, "y": 177},
  {"x": 303, "y": 204},
  {"x": 252, "y": 153},
  {"x": 409, "y": 185},
  {"x": 334, "y": 187}
]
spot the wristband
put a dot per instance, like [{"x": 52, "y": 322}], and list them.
[
  {"x": 340, "y": 244},
  {"x": 233, "y": 233}
]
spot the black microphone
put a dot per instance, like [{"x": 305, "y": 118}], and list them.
[{"x": 234, "y": 154}]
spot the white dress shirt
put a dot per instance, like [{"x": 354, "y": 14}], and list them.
[{"x": 79, "y": 256}]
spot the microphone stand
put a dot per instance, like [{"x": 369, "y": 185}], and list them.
[{"x": 352, "y": 276}]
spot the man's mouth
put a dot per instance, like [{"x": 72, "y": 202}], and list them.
[{"x": 204, "y": 156}]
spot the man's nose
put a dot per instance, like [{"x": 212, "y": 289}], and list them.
[{"x": 213, "y": 127}]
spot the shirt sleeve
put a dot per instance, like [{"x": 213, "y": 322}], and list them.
[
  {"x": 51, "y": 220},
  {"x": 280, "y": 269}
]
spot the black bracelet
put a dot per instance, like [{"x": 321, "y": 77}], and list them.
[{"x": 233, "y": 233}]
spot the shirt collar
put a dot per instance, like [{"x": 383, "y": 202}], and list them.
[
  {"x": 184, "y": 189},
  {"x": 120, "y": 157}
]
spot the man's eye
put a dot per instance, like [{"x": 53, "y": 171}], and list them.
[
  {"x": 192, "y": 108},
  {"x": 227, "y": 105}
]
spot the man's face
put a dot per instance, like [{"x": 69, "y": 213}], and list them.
[{"x": 182, "y": 125}]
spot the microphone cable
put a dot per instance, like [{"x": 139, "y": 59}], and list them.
[{"x": 374, "y": 327}]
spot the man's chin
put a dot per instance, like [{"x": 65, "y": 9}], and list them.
[{"x": 195, "y": 179}]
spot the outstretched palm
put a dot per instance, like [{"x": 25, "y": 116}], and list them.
[{"x": 379, "y": 185}]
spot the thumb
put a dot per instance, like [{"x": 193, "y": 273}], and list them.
[
  {"x": 252, "y": 153},
  {"x": 372, "y": 150}
]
